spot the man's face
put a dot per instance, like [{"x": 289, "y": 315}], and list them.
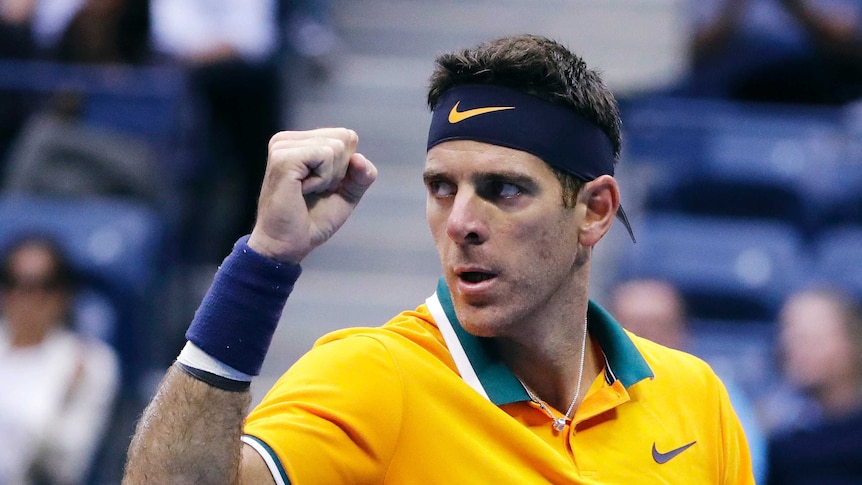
[
  {"x": 32, "y": 299},
  {"x": 815, "y": 345},
  {"x": 652, "y": 310},
  {"x": 507, "y": 245}
]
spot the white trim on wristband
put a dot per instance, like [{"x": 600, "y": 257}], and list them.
[{"x": 193, "y": 356}]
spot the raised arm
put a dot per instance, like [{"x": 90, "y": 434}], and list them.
[{"x": 190, "y": 432}]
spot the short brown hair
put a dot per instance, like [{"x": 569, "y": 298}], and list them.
[{"x": 538, "y": 66}]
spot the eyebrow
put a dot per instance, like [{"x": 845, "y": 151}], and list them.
[
  {"x": 516, "y": 178},
  {"x": 506, "y": 175},
  {"x": 432, "y": 175}
]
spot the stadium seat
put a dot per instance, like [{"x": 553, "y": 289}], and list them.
[
  {"x": 717, "y": 194},
  {"x": 725, "y": 269},
  {"x": 739, "y": 160},
  {"x": 839, "y": 258},
  {"x": 843, "y": 203},
  {"x": 151, "y": 104}
]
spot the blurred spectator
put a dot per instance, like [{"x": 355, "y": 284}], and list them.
[
  {"x": 57, "y": 154},
  {"x": 651, "y": 309},
  {"x": 58, "y": 151},
  {"x": 16, "y": 28},
  {"x": 15, "y": 43},
  {"x": 796, "y": 51},
  {"x": 654, "y": 310},
  {"x": 230, "y": 48},
  {"x": 821, "y": 350},
  {"x": 67, "y": 31},
  {"x": 16, "y": 38},
  {"x": 106, "y": 32},
  {"x": 58, "y": 387},
  {"x": 38, "y": 28}
]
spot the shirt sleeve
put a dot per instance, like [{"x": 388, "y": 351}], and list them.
[
  {"x": 333, "y": 417},
  {"x": 737, "y": 457}
]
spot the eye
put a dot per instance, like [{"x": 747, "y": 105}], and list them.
[
  {"x": 440, "y": 188},
  {"x": 507, "y": 190},
  {"x": 499, "y": 189}
]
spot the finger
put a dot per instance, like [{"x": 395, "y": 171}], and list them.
[
  {"x": 318, "y": 163},
  {"x": 349, "y": 137},
  {"x": 277, "y": 143},
  {"x": 333, "y": 167},
  {"x": 339, "y": 167},
  {"x": 318, "y": 169},
  {"x": 361, "y": 173}
]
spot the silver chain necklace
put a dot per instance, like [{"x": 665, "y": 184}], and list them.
[{"x": 560, "y": 422}]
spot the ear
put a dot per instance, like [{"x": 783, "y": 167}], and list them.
[{"x": 600, "y": 199}]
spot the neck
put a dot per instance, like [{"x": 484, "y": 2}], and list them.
[
  {"x": 551, "y": 370},
  {"x": 26, "y": 335},
  {"x": 546, "y": 354},
  {"x": 25, "y": 340}
]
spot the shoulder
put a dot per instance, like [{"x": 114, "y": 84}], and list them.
[
  {"x": 408, "y": 334},
  {"x": 366, "y": 356},
  {"x": 668, "y": 359},
  {"x": 676, "y": 368}
]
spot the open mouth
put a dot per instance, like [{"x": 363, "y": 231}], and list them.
[{"x": 475, "y": 276}]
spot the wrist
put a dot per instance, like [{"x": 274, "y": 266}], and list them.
[
  {"x": 199, "y": 365},
  {"x": 237, "y": 318},
  {"x": 193, "y": 356},
  {"x": 272, "y": 248}
]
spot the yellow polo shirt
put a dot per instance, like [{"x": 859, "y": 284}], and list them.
[{"x": 420, "y": 400}]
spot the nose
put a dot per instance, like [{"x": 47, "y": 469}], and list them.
[{"x": 467, "y": 223}]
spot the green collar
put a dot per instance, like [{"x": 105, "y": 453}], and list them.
[{"x": 482, "y": 370}]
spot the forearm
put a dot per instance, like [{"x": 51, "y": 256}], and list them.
[{"x": 190, "y": 433}]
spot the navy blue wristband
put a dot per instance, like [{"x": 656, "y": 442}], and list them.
[{"x": 238, "y": 316}]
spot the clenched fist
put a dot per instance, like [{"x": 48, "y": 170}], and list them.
[{"x": 313, "y": 181}]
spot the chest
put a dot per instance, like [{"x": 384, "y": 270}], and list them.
[{"x": 463, "y": 435}]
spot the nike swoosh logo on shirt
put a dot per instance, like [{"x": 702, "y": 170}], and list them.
[
  {"x": 456, "y": 116},
  {"x": 662, "y": 458}
]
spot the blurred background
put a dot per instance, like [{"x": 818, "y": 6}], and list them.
[{"x": 134, "y": 133}]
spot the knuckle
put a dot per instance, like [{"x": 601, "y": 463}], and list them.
[
  {"x": 339, "y": 145},
  {"x": 273, "y": 140},
  {"x": 352, "y": 138}
]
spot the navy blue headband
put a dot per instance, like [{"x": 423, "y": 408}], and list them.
[{"x": 503, "y": 116}]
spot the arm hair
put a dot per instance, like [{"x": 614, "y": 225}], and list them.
[{"x": 189, "y": 433}]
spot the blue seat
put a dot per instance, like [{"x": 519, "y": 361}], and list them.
[
  {"x": 152, "y": 103},
  {"x": 116, "y": 245},
  {"x": 725, "y": 269},
  {"x": 736, "y": 159},
  {"x": 843, "y": 203},
  {"x": 839, "y": 258},
  {"x": 745, "y": 198}
]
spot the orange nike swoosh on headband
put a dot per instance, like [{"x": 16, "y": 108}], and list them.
[{"x": 456, "y": 116}]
